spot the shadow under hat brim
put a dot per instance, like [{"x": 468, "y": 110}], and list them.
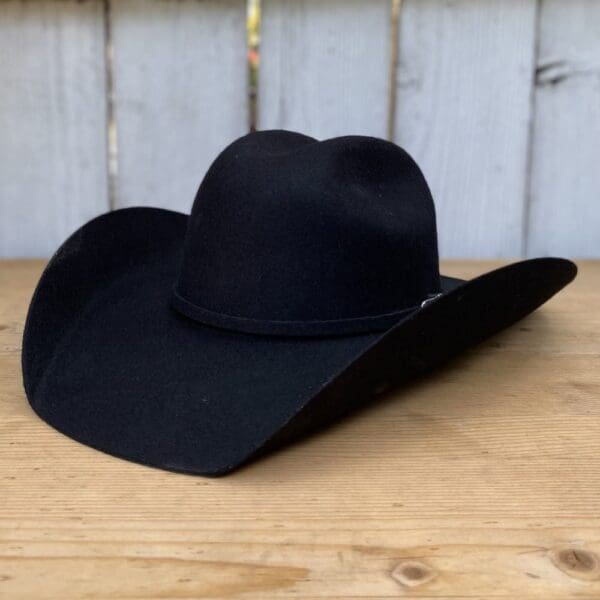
[{"x": 108, "y": 362}]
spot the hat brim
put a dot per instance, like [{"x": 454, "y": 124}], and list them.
[{"x": 109, "y": 363}]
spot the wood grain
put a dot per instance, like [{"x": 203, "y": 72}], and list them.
[
  {"x": 52, "y": 122},
  {"x": 482, "y": 481},
  {"x": 324, "y": 67},
  {"x": 464, "y": 106},
  {"x": 564, "y": 216},
  {"x": 179, "y": 94}
]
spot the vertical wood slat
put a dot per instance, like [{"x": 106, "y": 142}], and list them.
[
  {"x": 52, "y": 119},
  {"x": 464, "y": 90},
  {"x": 564, "y": 216},
  {"x": 179, "y": 77},
  {"x": 324, "y": 66}
]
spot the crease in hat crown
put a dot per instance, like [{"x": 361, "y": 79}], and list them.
[{"x": 291, "y": 236}]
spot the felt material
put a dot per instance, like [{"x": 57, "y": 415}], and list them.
[
  {"x": 109, "y": 361},
  {"x": 292, "y": 236}
]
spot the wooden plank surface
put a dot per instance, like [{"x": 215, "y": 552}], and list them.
[
  {"x": 463, "y": 111},
  {"x": 564, "y": 216},
  {"x": 179, "y": 94},
  {"x": 324, "y": 66},
  {"x": 52, "y": 122},
  {"x": 482, "y": 481}
]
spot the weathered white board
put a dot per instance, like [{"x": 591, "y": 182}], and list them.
[
  {"x": 179, "y": 94},
  {"x": 464, "y": 104},
  {"x": 52, "y": 122},
  {"x": 513, "y": 166},
  {"x": 564, "y": 215},
  {"x": 324, "y": 66}
]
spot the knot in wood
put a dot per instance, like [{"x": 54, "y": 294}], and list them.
[
  {"x": 412, "y": 573},
  {"x": 577, "y": 562}
]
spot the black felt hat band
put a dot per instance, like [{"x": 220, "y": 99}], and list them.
[{"x": 368, "y": 324}]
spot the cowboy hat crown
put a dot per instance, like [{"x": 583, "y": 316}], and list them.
[{"x": 290, "y": 236}]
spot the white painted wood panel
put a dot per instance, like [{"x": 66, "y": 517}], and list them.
[
  {"x": 466, "y": 108},
  {"x": 324, "y": 66},
  {"x": 179, "y": 94},
  {"x": 464, "y": 99},
  {"x": 52, "y": 122},
  {"x": 564, "y": 216}
]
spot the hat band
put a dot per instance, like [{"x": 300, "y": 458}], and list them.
[{"x": 357, "y": 325}]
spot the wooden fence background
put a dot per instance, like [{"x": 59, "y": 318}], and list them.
[{"x": 498, "y": 100}]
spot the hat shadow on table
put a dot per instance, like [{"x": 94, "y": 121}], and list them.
[
  {"x": 395, "y": 405},
  {"x": 304, "y": 282}
]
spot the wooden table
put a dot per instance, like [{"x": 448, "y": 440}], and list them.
[{"x": 481, "y": 482}]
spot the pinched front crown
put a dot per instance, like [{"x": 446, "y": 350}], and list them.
[{"x": 291, "y": 236}]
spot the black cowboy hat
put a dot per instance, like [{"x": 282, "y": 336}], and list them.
[{"x": 304, "y": 282}]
